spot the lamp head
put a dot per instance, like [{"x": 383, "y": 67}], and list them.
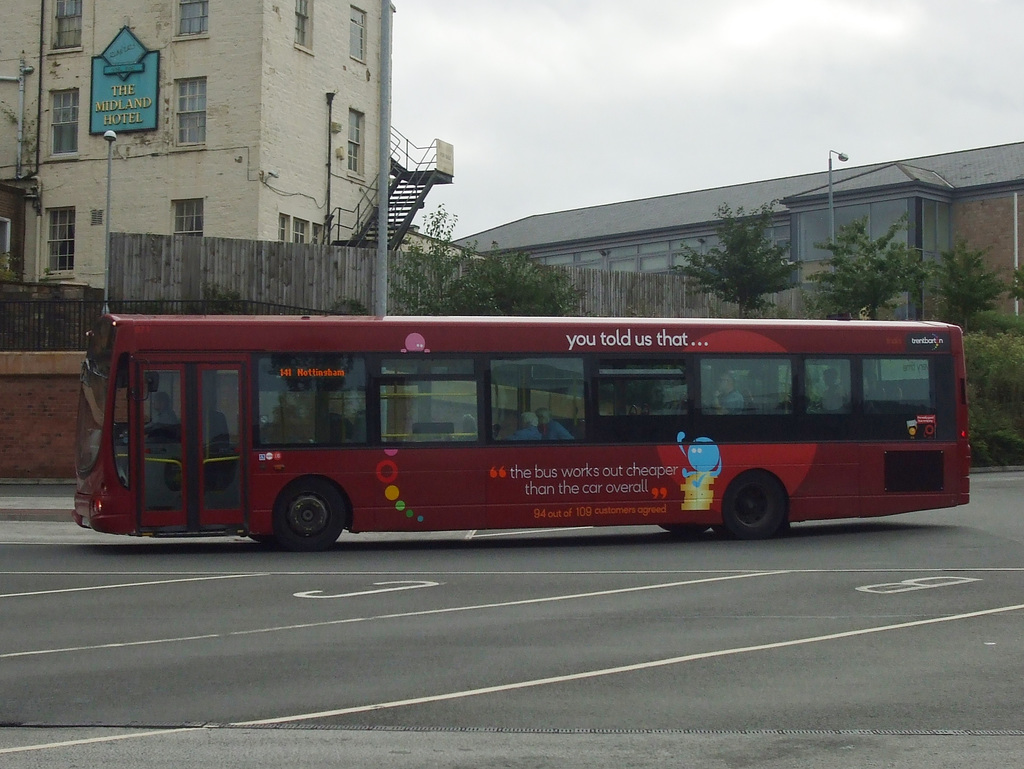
[
  {"x": 843, "y": 157},
  {"x": 110, "y": 136}
]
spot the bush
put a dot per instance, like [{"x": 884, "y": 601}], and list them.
[
  {"x": 993, "y": 322},
  {"x": 995, "y": 380}
]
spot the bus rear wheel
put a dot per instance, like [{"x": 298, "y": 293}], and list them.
[
  {"x": 309, "y": 515},
  {"x": 754, "y": 506}
]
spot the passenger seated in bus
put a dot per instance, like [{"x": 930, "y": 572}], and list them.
[
  {"x": 527, "y": 428},
  {"x": 832, "y": 397},
  {"x": 467, "y": 428},
  {"x": 728, "y": 399},
  {"x": 549, "y": 428},
  {"x": 164, "y": 424}
]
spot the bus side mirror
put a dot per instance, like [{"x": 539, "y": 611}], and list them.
[{"x": 152, "y": 381}]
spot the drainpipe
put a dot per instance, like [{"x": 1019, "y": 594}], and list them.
[
  {"x": 39, "y": 93},
  {"x": 1016, "y": 248},
  {"x": 330, "y": 116},
  {"x": 23, "y": 69}
]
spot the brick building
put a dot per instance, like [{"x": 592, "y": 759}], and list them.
[
  {"x": 974, "y": 195},
  {"x": 257, "y": 121}
]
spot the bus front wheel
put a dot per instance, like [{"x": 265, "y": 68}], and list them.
[
  {"x": 309, "y": 515},
  {"x": 754, "y": 506}
]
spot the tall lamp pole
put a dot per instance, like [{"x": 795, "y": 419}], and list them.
[
  {"x": 111, "y": 137},
  {"x": 380, "y": 298},
  {"x": 843, "y": 157}
]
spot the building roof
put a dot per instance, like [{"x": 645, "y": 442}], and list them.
[{"x": 947, "y": 173}]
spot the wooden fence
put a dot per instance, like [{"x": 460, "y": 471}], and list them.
[{"x": 340, "y": 279}]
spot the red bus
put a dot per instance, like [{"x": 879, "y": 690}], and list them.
[{"x": 294, "y": 429}]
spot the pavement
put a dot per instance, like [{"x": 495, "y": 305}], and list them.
[{"x": 37, "y": 500}]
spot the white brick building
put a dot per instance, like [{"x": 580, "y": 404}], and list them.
[{"x": 246, "y": 120}]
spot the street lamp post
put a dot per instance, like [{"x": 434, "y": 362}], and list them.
[
  {"x": 111, "y": 137},
  {"x": 843, "y": 157}
]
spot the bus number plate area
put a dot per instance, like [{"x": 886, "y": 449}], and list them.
[{"x": 913, "y": 471}]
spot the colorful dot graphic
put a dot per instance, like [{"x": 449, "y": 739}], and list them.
[{"x": 387, "y": 474}]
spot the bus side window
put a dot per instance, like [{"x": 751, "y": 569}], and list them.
[
  {"x": 427, "y": 399},
  {"x": 537, "y": 399},
  {"x": 310, "y": 399},
  {"x": 827, "y": 384}
]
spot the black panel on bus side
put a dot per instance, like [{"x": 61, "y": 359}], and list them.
[{"x": 913, "y": 471}]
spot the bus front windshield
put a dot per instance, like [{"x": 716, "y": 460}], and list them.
[{"x": 95, "y": 380}]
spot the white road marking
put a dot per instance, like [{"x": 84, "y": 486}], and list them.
[
  {"x": 400, "y": 615},
  {"x": 910, "y": 585},
  {"x": 539, "y": 681},
  {"x": 96, "y": 740},
  {"x": 623, "y": 668},
  {"x": 130, "y": 584},
  {"x": 405, "y": 586},
  {"x": 517, "y": 532}
]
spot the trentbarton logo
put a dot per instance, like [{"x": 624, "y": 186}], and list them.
[{"x": 928, "y": 341}]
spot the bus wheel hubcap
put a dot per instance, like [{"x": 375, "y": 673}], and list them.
[
  {"x": 308, "y": 515},
  {"x": 752, "y": 506}
]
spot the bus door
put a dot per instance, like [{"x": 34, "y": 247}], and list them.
[{"x": 191, "y": 441}]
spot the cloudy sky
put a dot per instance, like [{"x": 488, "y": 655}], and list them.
[{"x": 560, "y": 104}]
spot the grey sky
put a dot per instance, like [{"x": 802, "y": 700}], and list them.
[{"x": 560, "y": 104}]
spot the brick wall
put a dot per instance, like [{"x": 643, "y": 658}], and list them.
[
  {"x": 38, "y": 406},
  {"x": 988, "y": 224}
]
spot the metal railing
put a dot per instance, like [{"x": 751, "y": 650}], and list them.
[{"x": 38, "y": 325}]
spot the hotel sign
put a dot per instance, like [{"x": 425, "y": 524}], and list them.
[{"x": 125, "y": 81}]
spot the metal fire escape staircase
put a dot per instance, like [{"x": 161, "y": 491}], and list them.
[{"x": 414, "y": 172}]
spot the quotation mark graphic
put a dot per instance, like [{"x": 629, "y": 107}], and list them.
[
  {"x": 498, "y": 472},
  {"x": 659, "y": 493}
]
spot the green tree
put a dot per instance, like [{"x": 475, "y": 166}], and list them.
[
  {"x": 1017, "y": 289},
  {"x": 436, "y": 277},
  {"x": 746, "y": 267},
  {"x": 426, "y": 272},
  {"x": 865, "y": 275},
  {"x": 513, "y": 284},
  {"x": 965, "y": 286}
]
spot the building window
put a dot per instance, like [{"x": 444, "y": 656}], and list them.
[
  {"x": 304, "y": 23},
  {"x": 300, "y": 230},
  {"x": 68, "y": 30},
  {"x": 61, "y": 239},
  {"x": 193, "y": 15},
  {"x": 65, "y": 122},
  {"x": 357, "y": 34},
  {"x": 188, "y": 217},
  {"x": 355, "y": 141},
  {"x": 5, "y": 238},
  {"x": 284, "y": 227},
  {"x": 318, "y": 233},
  {"x": 192, "y": 111}
]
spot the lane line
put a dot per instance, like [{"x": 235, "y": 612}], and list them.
[
  {"x": 640, "y": 666},
  {"x": 96, "y": 740},
  {"x": 378, "y": 617},
  {"x": 561, "y": 572},
  {"x": 517, "y": 532},
  {"x": 129, "y": 584}
]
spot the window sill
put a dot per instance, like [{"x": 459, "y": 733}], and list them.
[
  {"x": 195, "y": 36},
  {"x": 304, "y": 49},
  {"x": 70, "y": 49},
  {"x": 56, "y": 275}
]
